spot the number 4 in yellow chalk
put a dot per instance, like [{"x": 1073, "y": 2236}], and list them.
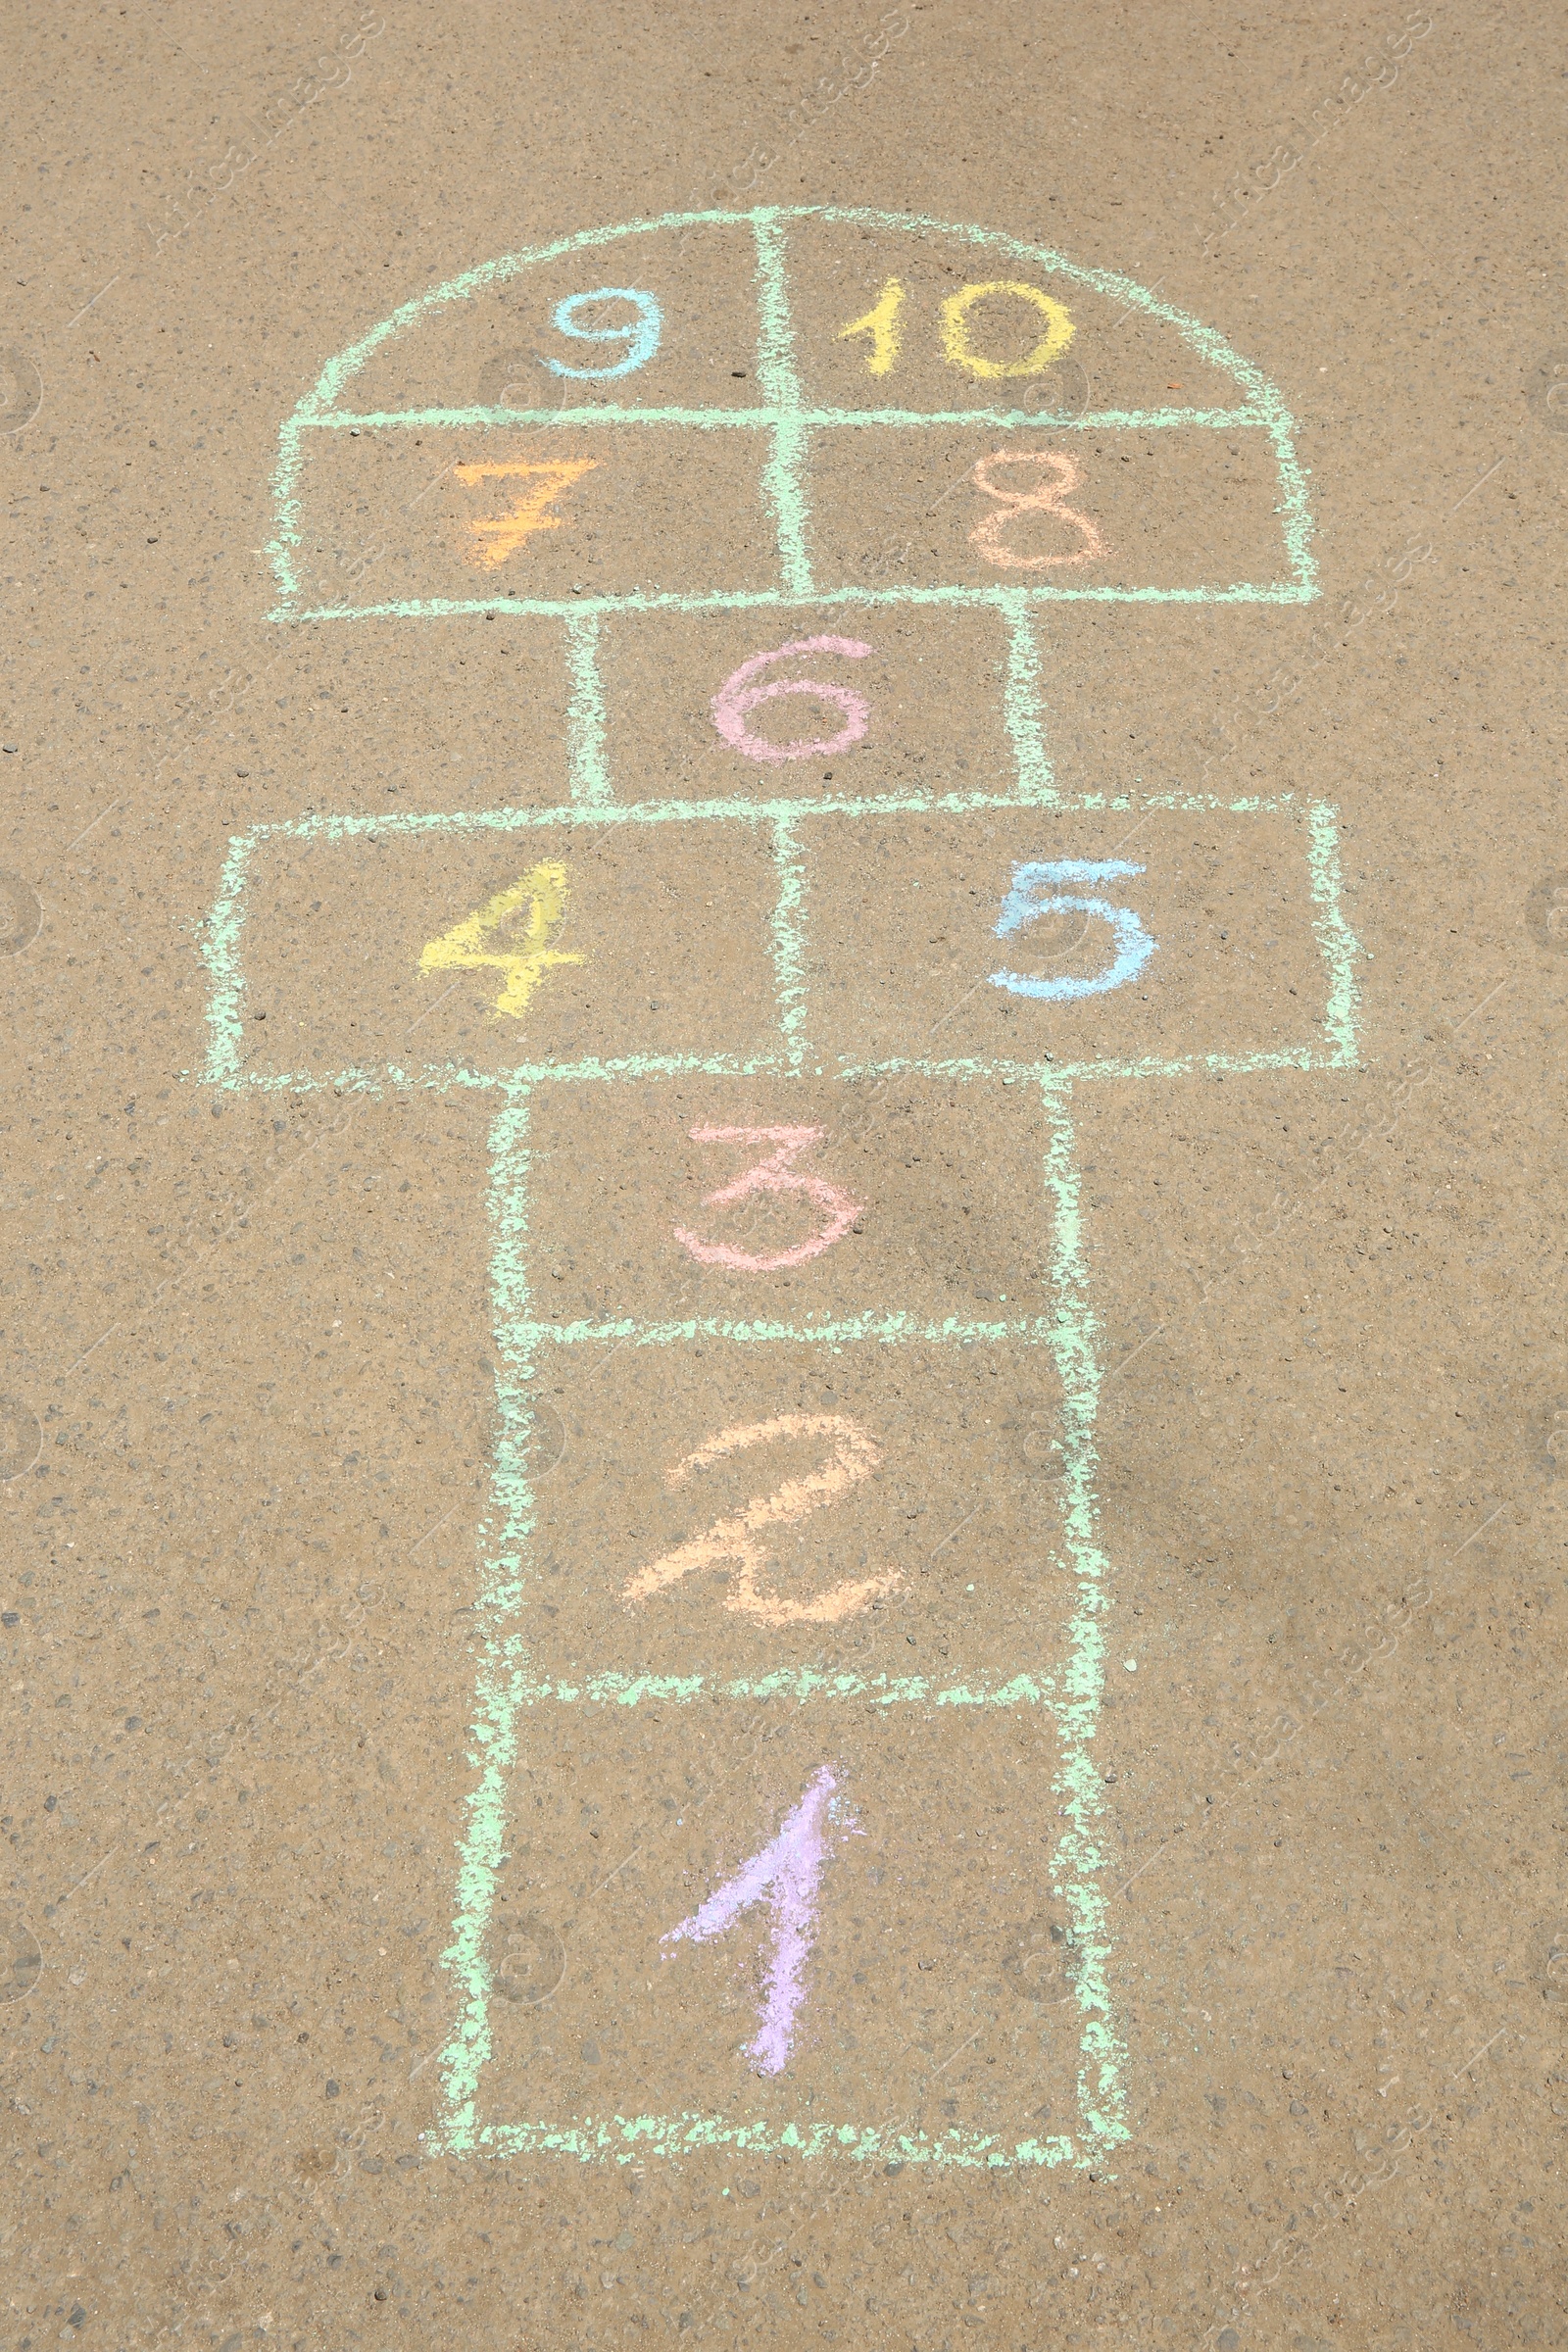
[
  {"x": 543, "y": 891},
  {"x": 500, "y": 535}
]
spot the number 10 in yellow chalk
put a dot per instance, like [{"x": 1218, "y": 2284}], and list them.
[{"x": 544, "y": 893}]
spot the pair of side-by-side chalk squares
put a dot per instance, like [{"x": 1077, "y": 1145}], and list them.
[
  {"x": 1034, "y": 892},
  {"x": 499, "y": 537},
  {"x": 644, "y": 333}
]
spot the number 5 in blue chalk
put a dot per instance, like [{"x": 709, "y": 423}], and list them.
[
  {"x": 1032, "y": 896},
  {"x": 641, "y": 337}
]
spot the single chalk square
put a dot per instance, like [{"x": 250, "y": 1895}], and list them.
[
  {"x": 1111, "y": 510},
  {"x": 518, "y": 517},
  {"x": 728, "y": 1509},
  {"x": 932, "y": 681},
  {"x": 608, "y": 2029},
  {"x": 650, "y": 1210},
  {"x": 644, "y": 319},
  {"x": 1014, "y": 938},
  {"x": 492, "y": 947}
]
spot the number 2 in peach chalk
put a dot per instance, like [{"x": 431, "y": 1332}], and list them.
[
  {"x": 500, "y": 535},
  {"x": 735, "y": 1541},
  {"x": 777, "y": 1174},
  {"x": 735, "y": 698},
  {"x": 788, "y": 1871},
  {"x": 1045, "y": 499}
]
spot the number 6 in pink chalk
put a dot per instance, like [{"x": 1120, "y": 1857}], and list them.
[
  {"x": 735, "y": 699},
  {"x": 777, "y": 1174},
  {"x": 788, "y": 1871}
]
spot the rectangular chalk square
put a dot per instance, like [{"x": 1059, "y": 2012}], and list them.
[
  {"x": 1116, "y": 510},
  {"x": 867, "y": 1515},
  {"x": 1009, "y": 938},
  {"x": 824, "y": 702},
  {"x": 494, "y": 945},
  {"x": 498, "y": 518},
  {"x": 763, "y": 1205},
  {"x": 940, "y": 1986}
]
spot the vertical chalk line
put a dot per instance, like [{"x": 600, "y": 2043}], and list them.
[
  {"x": 782, "y": 477},
  {"x": 1021, "y": 703},
  {"x": 1337, "y": 942},
  {"x": 220, "y": 954},
  {"x": 788, "y": 942},
  {"x": 500, "y": 1681},
  {"x": 585, "y": 715},
  {"x": 1078, "y": 1865}
]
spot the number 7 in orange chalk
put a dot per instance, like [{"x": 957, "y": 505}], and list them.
[
  {"x": 544, "y": 890},
  {"x": 500, "y": 535}
]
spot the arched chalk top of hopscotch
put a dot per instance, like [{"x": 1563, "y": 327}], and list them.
[{"x": 554, "y": 432}]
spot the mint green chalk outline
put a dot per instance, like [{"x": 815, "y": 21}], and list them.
[
  {"x": 789, "y": 961},
  {"x": 585, "y": 712},
  {"x": 883, "y": 1329},
  {"x": 504, "y": 1684},
  {"x": 790, "y": 422},
  {"x": 783, "y": 484},
  {"x": 1021, "y": 704},
  {"x": 785, "y": 820},
  {"x": 779, "y": 599},
  {"x": 1339, "y": 943},
  {"x": 1078, "y": 1866},
  {"x": 801, "y": 1682}
]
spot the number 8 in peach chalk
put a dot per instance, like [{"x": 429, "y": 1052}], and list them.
[
  {"x": 1046, "y": 499},
  {"x": 854, "y": 1456},
  {"x": 735, "y": 699},
  {"x": 775, "y": 1175}
]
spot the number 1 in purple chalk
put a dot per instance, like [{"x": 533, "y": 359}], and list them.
[{"x": 787, "y": 1871}]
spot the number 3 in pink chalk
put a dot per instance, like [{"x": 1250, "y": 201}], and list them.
[
  {"x": 735, "y": 698},
  {"x": 777, "y": 1174}
]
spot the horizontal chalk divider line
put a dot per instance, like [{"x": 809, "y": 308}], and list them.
[
  {"x": 801, "y": 1683},
  {"x": 444, "y": 607},
  {"x": 628, "y": 2138},
  {"x": 794, "y": 811},
  {"x": 1110, "y": 420},
  {"x": 888, "y": 1329},
  {"x": 523, "y": 1077}
]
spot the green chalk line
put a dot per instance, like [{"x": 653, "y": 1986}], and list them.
[
  {"x": 331, "y": 826},
  {"x": 629, "y": 2140},
  {"x": 499, "y": 1682},
  {"x": 751, "y": 600},
  {"x": 1078, "y": 1866},
  {"x": 789, "y": 960},
  {"x": 783, "y": 477},
  {"x": 884, "y": 1329},
  {"x": 383, "y": 1077},
  {"x": 585, "y": 713},
  {"x": 799, "y": 1683},
  {"x": 1337, "y": 942},
  {"x": 220, "y": 949},
  {"x": 1021, "y": 706},
  {"x": 768, "y": 417}
]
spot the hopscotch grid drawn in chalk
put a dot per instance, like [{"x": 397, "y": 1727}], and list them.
[
  {"x": 505, "y": 1693},
  {"x": 792, "y": 422}
]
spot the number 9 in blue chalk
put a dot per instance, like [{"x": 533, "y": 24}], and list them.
[
  {"x": 641, "y": 338},
  {"x": 1032, "y": 896}
]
